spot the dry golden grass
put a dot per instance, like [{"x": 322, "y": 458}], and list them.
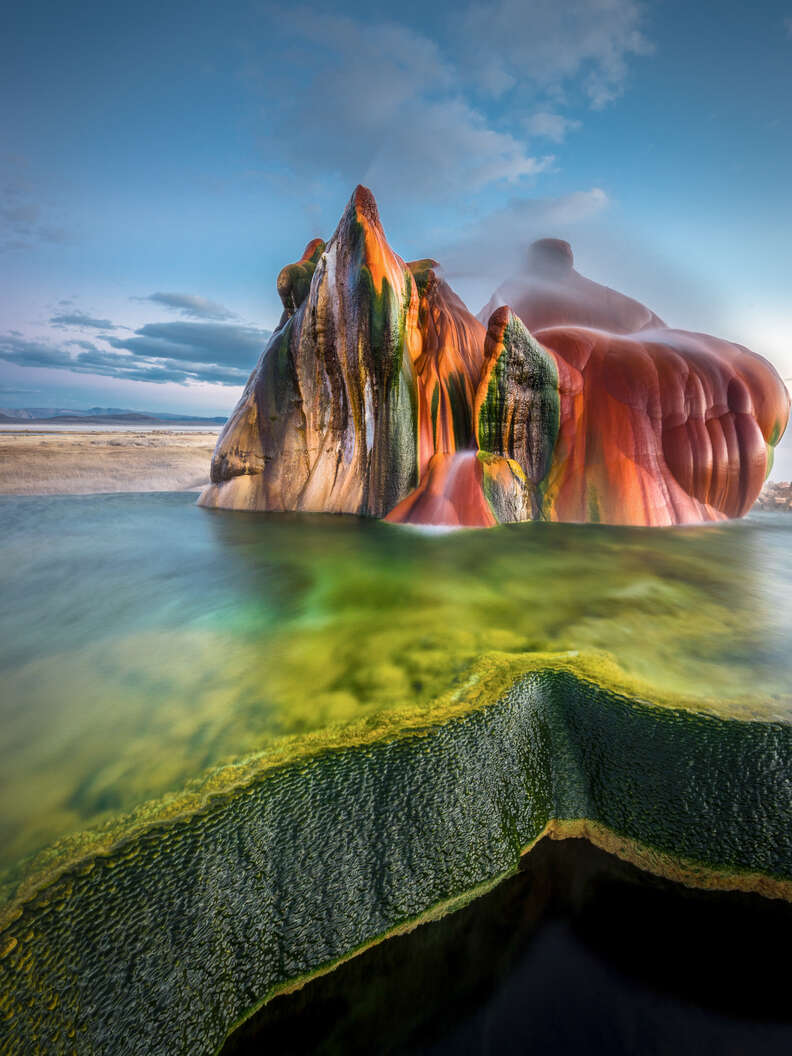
[{"x": 76, "y": 463}]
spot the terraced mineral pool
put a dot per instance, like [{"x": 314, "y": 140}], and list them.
[
  {"x": 144, "y": 641},
  {"x": 178, "y": 681}
]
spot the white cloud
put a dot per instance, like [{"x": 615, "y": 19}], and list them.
[
  {"x": 76, "y": 318},
  {"x": 548, "y": 43},
  {"x": 190, "y": 305},
  {"x": 448, "y": 146},
  {"x": 385, "y": 103},
  {"x": 381, "y": 103},
  {"x": 184, "y": 353},
  {"x": 551, "y": 125}
]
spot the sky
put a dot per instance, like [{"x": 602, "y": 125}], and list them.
[{"x": 160, "y": 162}]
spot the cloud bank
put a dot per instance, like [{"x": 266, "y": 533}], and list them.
[
  {"x": 185, "y": 353},
  {"x": 385, "y": 103},
  {"x": 190, "y": 306},
  {"x": 77, "y": 318},
  {"x": 548, "y": 44}
]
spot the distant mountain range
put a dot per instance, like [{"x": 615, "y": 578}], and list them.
[{"x": 98, "y": 416}]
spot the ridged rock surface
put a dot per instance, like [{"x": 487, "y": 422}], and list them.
[
  {"x": 654, "y": 425},
  {"x": 381, "y": 394}
]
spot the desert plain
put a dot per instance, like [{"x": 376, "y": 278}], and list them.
[{"x": 58, "y": 462}]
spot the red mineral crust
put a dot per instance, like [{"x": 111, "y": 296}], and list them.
[
  {"x": 657, "y": 426},
  {"x": 381, "y": 394},
  {"x": 447, "y": 348}
]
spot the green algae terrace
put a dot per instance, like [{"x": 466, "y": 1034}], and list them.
[
  {"x": 239, "y": 714},
  {"x": 146, "y": 642}
]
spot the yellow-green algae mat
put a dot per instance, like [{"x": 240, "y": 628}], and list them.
[{"x": 241, "y": 748}]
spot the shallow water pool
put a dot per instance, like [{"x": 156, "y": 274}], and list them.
[{"x": 145, "y": 641}]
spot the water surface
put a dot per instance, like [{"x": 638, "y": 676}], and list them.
[{"x": 144, "y": 640}]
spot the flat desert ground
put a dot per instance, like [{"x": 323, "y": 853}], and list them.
[
  {"x": 72, "y": 461},
  {"x": 90, "y": 462}
]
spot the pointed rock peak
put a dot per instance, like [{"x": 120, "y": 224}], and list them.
[
  {"x": 507, "y": 329},
  {"x": 517, "y": 407},
  {"x": 500, "y": 318},
  {"x": 423, "y": 271},
  {"x": 294, "y": 281},
  {"x": 510, "y": 341},
  {"x": 365, "y": 206},
  {"x": 360, "y": 212},
  {"x": 496, "y": 328},
  {"x": 360, "y": 242},
  {"x": 550, "y": 256},
  {"x": 313, "y": 251}
]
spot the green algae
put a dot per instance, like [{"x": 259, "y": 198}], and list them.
[
  {"x": 276, "y": 721},
  {"x": 434, "y": 408},
  {"x": 527, "y": 373},
  {"x": 294, "y": 281},
  {"x": 286, "y": 873},
  {"x": 395, "y": 447},
  {"x": 422, "y": 271},
  {"x": 506, "y": 489},
  {"x": 461, "y": 416},
  {"x": 770, "y": 459}
]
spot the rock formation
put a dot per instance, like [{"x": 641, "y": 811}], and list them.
[
  {"x": 371, "y": 372},
  {"x": 655, "y": 425},
  {"x": 776, "y": 495},
  {"x": 380, "y": 394}
]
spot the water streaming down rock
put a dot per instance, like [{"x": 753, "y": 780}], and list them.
[
  {"x": 380, "y": 394},
  {"x": 450, "y": 494}
]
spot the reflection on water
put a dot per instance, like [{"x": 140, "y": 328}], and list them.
[
  {"x": 144, "y": 640},
  {"x": 578, "y": 953}
]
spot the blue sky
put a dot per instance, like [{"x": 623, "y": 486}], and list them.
[{"x": 161, "y": 161}]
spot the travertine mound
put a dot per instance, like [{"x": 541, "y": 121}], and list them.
[{"x": 380, "y": 394}]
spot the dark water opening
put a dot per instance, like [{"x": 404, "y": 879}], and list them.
[{"x": 579, "y": 952}]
